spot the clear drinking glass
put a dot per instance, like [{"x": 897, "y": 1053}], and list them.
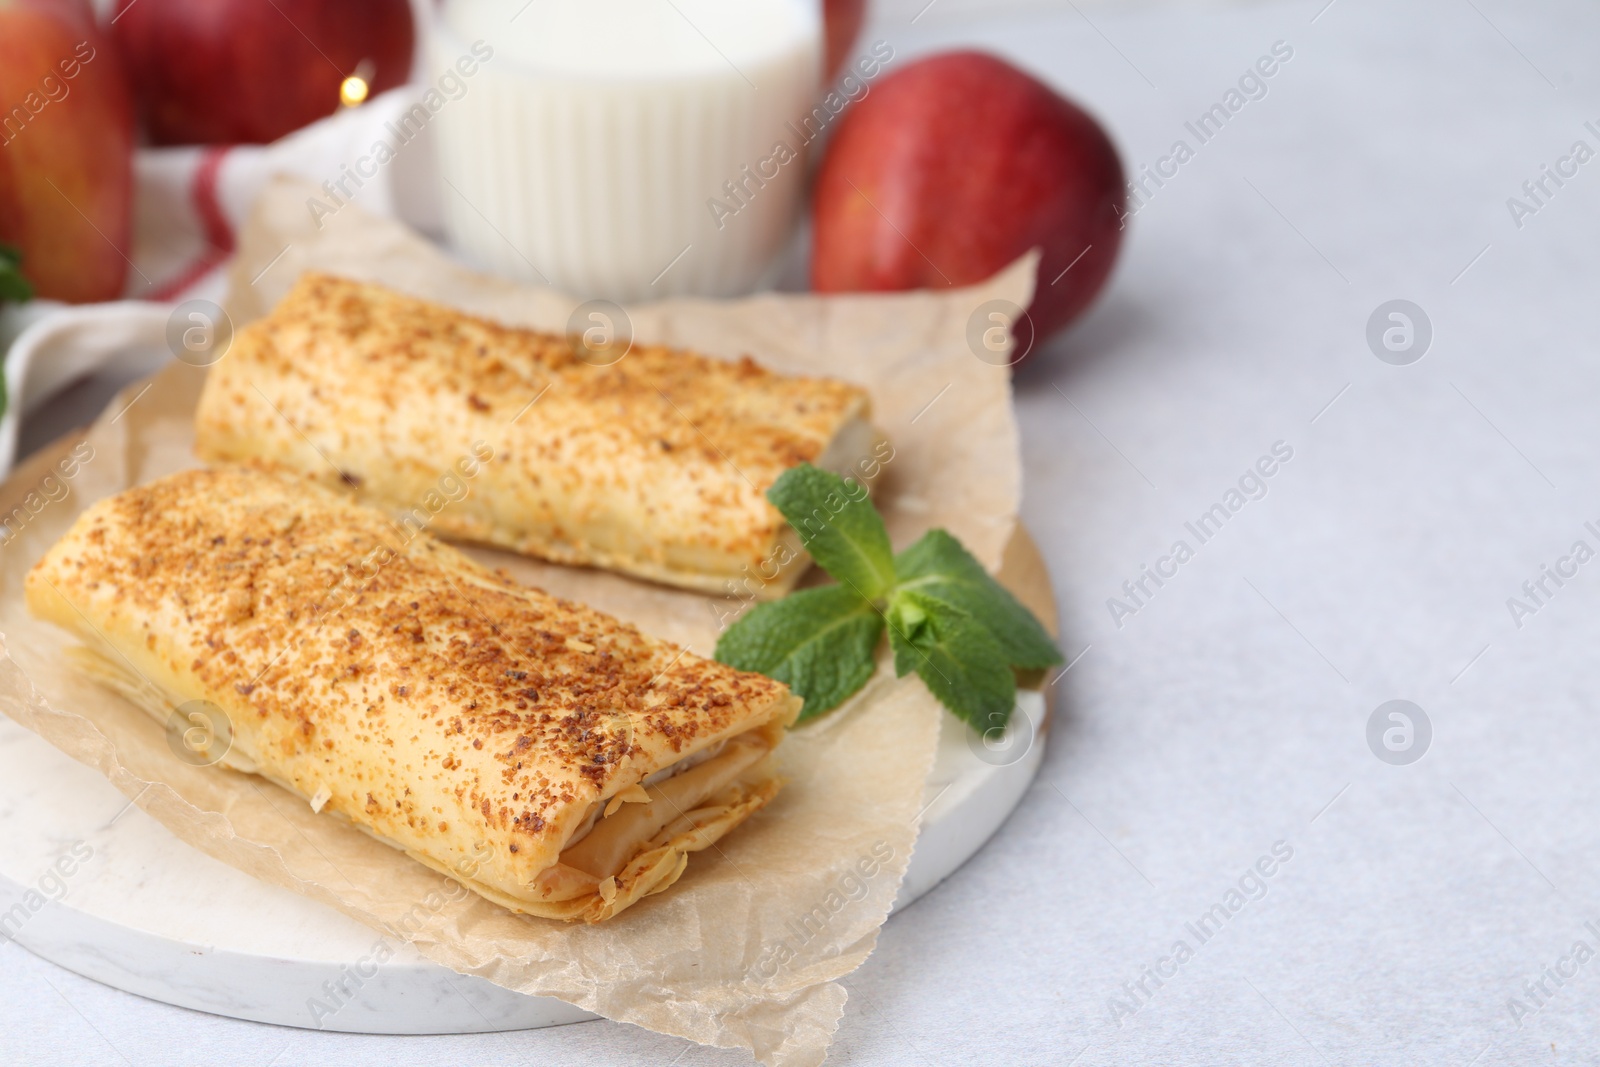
[{"x": 624, "y": 149}]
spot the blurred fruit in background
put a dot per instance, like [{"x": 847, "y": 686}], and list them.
[
  {"x": 952, "y": 168},
  {"x": 250, "y": 71},
  {"x": 66, "y": 150},
  {"x": 841, "y": 25}
]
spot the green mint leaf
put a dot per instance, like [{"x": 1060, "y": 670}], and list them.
[
  {"x": 818, "y": 642},
  {"x": 937, "y": 568},
  {"x": 955, "y": 656},
  {"x": 13, "y": 286},
  {"x": 839, "y": 526}
]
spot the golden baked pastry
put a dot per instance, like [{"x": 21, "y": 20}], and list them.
[
  {"x": 655, "y": 465},
  {"x": 551, "y": 758}
]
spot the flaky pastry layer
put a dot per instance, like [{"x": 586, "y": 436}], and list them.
[
  {"x": 655, "y": 465},
  {"x": 553, "y": 759}
]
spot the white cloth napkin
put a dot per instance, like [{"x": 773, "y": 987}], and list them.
[
  {"x": 188, "y": 205},
  {"x": 189, "y": 201}
]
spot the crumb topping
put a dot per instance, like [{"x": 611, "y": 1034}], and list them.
[
  {"x": 664, "y": 451},
  {"x": 436, "y": 688}
]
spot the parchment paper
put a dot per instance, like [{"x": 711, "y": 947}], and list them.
[{"x": 746, "y": 950}]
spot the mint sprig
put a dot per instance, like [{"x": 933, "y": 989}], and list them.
[
  {"x": 955, "y": 656},
  {"x": 939, "y": 568},
  {"x": 13, "y": 286},
  {"x": 818, "y": 642},
  {"x": 947, "y": 618},
  {"x": 839, "y": 526}
]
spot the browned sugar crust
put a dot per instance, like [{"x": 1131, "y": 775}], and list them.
[
  {"x": 446, "y": 707},
  {"x": 655, "y": 465}
]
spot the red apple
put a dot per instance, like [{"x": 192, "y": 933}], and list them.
[
  {"x": 841, "y": 25},
  {"x": 250, "y": 71},
  {"x": 954, "y": 166},
  {"x": 66, "y": 150}
]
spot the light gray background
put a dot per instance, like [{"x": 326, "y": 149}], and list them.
[{"x": 1230, "y": 713}]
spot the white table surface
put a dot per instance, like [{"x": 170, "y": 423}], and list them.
[{"x": 1231, "y": 711}]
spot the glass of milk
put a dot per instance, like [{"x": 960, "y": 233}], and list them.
[{"x": 626, "y": 149}]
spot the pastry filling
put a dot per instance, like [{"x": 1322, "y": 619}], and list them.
[
  {"x": 661, "y": 807},
  {"x": 667, "y": 803}
]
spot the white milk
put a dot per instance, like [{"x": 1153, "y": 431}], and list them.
[{"x": 596, "y": 147}]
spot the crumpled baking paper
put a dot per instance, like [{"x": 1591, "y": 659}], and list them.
[{"x": 747, "y": 950}]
